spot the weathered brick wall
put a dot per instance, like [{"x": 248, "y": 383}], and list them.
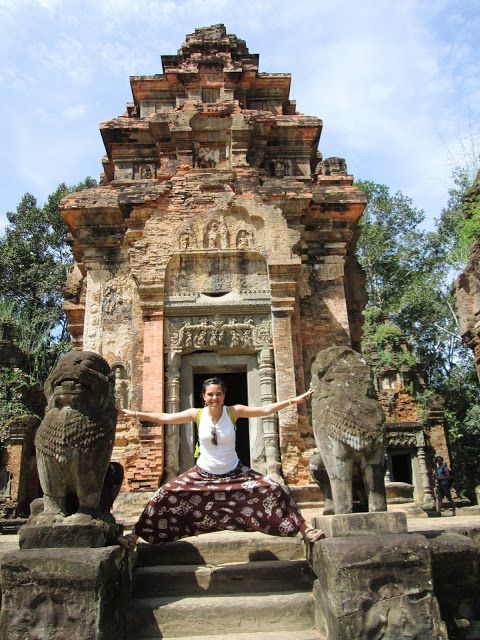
[{"x": 218, "y": 227}]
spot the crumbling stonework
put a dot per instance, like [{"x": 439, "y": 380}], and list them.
[
  {"x": 467, "y": 287},
  {"x": 19, "y": 483},
  {"x": 414, "y": 435},
  {"x": 219, "y": 241}
]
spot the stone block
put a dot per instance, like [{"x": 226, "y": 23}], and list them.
[
  {"x": 456, "y": 582},
  {"x": 50, "y": 594},
  {"x": 94, "y": 534},
  {"x": 399, "y": 491},
  {"x": 361, "y": 524},
  {"x": 376, "y": 587}
]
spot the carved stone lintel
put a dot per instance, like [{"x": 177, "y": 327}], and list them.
[{"x": 219, "y": 331}]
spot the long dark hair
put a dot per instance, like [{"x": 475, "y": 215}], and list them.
[{"x": 209, "y": 381}]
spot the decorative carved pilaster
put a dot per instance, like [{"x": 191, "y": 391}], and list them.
[
  {"x": 428, "y": 499},
  {"x": 269, "y": 423},
  {"x": 285, "y": 379},
  {"x": 388, "y": 468},
  {"x": 172, "y": 433}
]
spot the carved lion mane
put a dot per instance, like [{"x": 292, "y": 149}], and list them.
[
  {"x": 74, "y": 441},
  {"x": 344, "y": 400}
]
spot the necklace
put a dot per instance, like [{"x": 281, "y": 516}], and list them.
[{"x": 214, "y": 419}]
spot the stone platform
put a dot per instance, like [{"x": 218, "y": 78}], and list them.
[
  {"x": 361, "y": 524},
  {"x": 427, "y": 581}
]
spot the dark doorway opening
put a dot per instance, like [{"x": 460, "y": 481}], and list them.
[
  {"x": 237, "y": 394},
  {"x": 402, "y": 467}
]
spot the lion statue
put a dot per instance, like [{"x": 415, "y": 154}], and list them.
[
  {"x": 74, "y": 442},
  {"x": 349, "y": 429}
]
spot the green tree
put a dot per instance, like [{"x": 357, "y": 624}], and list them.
[
  {"x": 406, "y": 276},
  {"x": 34, "y": 261},
  {"x": 409, "y": 278}
]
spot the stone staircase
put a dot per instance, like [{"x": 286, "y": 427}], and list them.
[{"x": 227, "y": 585}]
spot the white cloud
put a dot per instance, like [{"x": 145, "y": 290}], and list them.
[
  {"x": 395, "y": 83},
  {"x": 74, "y": 112}
]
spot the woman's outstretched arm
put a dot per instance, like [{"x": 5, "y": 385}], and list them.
[
  {"x": 165, "y": 418},
  {"x": 243, "y": 411}
]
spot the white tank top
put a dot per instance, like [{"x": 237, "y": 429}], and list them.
[{"x": 217, "y": 458}]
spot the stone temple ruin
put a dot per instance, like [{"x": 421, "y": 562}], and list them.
[{"x": 219, "y": 242}]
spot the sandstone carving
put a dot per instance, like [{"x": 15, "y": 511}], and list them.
[
  {"x": 348, "y": 425},
  {"x": 205, "y": 332},
  {"x": 206, "y": 157},
  {"x": 215, "y": 235},
  {"x": 75, "y": 439},
  {"x": 244, "y": 239},
  {"x": 122, "y": 386}
]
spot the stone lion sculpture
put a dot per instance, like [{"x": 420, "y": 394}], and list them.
[
  {"x": 348, "y": 425},
  {"x": 74, "y": 442}
]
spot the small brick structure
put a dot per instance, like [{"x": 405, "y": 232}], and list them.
[{"x": 19, "y": 483}]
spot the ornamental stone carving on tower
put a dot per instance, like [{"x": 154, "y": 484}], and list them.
[{"x": 218, "y": 234}]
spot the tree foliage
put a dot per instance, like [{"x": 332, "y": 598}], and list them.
[
  {"x": 409, "y": 275},
  {"x": 407, "y": 278},
  {"x": 34, "y": 261}
]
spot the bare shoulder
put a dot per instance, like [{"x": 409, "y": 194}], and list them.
[{"x": 238, "y": 409}]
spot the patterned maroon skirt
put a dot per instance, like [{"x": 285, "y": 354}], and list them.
[{"x": 200, "y": 502}]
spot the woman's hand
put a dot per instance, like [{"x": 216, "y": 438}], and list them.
[
  {"x": 305, "y": 396},
  {"x": 242, "y": 411},
  {"x": 127, "y": 412}
]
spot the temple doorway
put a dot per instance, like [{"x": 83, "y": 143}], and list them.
[
  {"x": 237, "y": 394},
  {"x": 402, "y": 467}
]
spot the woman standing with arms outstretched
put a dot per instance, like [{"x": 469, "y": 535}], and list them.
[{"x": 219, "y": 492}]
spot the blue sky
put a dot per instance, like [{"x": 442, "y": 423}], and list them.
[{"x": 395, "y": 82}]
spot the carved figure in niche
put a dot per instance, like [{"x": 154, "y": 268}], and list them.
[
  {"x": 348, "y": 425},
  {"x": 278, "y": 168},
  {"x": 75, "y": 439},
  {"x": 110, "y": 300},
  {"x": 201, "y": 335},
  {"x": 255, "y": 157},
  {"x": 206, "y": 158},
  {"x": 214, "y": 240},
  {"x": 185, "y": 241},
  {"x": 243, "y": 239},
  {"x": 282, "y": 168},
  {"x": 147, "y": 172},
  {"x": 122, "y": 386}
]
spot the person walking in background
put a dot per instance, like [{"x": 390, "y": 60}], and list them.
[{"x": 443, "y": 476}]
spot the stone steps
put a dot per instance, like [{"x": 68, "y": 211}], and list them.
[
  {"x": 245, "y": 577},
  {"x": 221, "y": 548},
  {"x": 229, "y": 585},
  {"x": 304, "y": 634},
  {"x": 178, "y": 616}
]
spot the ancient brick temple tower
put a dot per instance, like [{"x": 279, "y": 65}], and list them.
[{"x": 218, "y": 242}]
